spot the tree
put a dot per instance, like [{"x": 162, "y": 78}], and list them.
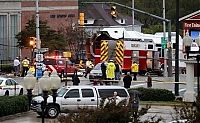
[{"x": 49, "y": 38}]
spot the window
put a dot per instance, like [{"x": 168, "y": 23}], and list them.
[
  {"x": 87, "y": 93},
  {"x": 49, "y": 61},
  {"x": 8, "y": 82},
  {"x": 150, "y": 46},
  {"x": 1, "y": 81},
  {"x": 61, "y": 92},
  {"x": 74, "y": 93},
  {"x": 13, "y": 82},
  {"x": 109, "y": 92}
]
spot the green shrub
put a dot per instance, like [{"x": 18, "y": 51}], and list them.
[
  {"x": 13, "y": 104},
  {"x": 7, "y": 68},
  {"x": 150, "y": 94}
]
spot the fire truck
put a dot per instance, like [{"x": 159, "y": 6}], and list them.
[
  {"x": 63, "y": 66},
  {"x": 125, "y": 49}
]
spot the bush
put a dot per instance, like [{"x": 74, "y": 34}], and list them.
[
  {"x": 13, "y": 104},
  {"x": 7, "y": 68},
  {"x": 150, "y": 94}
]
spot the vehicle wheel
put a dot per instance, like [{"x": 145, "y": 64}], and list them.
[
  {"x": 7, "y": 93},
  {"x": 21, "y": 91},
  {"x": 52, "y": 111}
]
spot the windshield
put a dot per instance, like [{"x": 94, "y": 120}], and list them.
[
  {"x": 61, "y": 92},
  {"x": 97, "y": 67}
]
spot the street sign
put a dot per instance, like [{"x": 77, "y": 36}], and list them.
[
  {"x": 39, "y": 57},
  {"x": 41, "y": 50},
  {"x": 163, "y": 43}
]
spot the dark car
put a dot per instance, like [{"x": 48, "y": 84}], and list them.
[{"x": 95, "y": 73}]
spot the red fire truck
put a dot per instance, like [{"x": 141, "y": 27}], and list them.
[
  {"x": 126, "y": 50},
  {"x": 63, "y": 66}
]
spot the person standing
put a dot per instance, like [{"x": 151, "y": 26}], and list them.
[
  {"x": 127, "y": 80},
  {"x": 25, "y": 65},
  {"x": 134, "y": 70},
  {"x": 110, "y": 71},
  {"x": 117, "y": 71},
  {"x": 103, "y": 70},
  {"x": 89, "y": 66},
  {"x": 75, "y": 78},
  {"x": 16, "y": 66}
]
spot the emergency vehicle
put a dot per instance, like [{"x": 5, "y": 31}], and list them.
[
  {"x": 63, "y": 66},
  {"x": 128, "y": 46}
]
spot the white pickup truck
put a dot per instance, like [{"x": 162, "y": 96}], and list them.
[{"x": 71, "y": 98}]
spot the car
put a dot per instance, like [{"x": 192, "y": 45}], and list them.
[
  {"x": 96, "y": 72},
  {"x": 10, "y": 87},
  {"x": 73, "y": 98}
]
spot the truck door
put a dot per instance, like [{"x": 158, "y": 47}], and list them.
[
  {"x": 71, "y": 100},
  {"x": 89, "y": 98}
]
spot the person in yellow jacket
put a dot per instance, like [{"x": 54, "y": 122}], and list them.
[
  {"x": 134, "y": 70},
  {"x": 110, "y": 70},
  {"x": 25, "y": 65}
]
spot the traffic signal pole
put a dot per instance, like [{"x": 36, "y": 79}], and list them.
[{"x": 154, "y": 16}]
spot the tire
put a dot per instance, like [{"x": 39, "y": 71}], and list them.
[
  {"x": 52, "y": 111},
  {"x": 7, "y": 93},
  {"x": 21, "y": 91}
]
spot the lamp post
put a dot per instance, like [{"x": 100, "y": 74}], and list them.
[
  {"x": 29, "y": 83},
  {"x": 45, "y": 86},
  {"x": 187, "y": 40},
  {"x": 55, "y": 84}
]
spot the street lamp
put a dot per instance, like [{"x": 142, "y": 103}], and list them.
[
  {"x": 187, "y": 41},
  {"x": 29, "y": 83},
  {"x": 55, "y": 84},
  {"x": 45, "y": 86}
]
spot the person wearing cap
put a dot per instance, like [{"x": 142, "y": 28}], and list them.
[
  {"x": 25, "y": 65},
  {"x": 127, "y": 80},
  {"x": 110, "y": 71},
  {"x": 134, "y": 70},
  {"x": 16, "y": 66}
]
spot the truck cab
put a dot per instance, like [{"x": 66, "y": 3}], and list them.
[{"x": 61, "y": 65}]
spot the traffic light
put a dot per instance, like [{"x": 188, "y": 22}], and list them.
[
  {"x": 113, "y": 12},
  {"x": 32, "y": 42},
  {"x": 81, "y": 18}
]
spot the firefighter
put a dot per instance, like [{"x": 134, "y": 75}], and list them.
[
  {"x": 25, "y": 65},
  {"x": 110, "y": 71},
  {"x": 89, "y": 66},
  {"x": 134, "y": 70}
]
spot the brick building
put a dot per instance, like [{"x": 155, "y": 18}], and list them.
[{"x": 14, "y": 15}]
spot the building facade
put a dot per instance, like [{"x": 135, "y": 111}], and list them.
[{"x": 14, "y": 15}]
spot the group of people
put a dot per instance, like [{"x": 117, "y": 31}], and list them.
[{"x": 25, "y": 66}]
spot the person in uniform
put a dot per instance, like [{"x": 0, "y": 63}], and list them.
[
  {"x": 110, "y": 71},
  {"x": 134, "y": 70},
  {"x": 25, "y": 66}
]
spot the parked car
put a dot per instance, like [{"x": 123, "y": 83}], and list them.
[
  {"x": 71, "y": 98},
  {"x": 9, "y": 87},
  {"x": 95, "y": 73}
]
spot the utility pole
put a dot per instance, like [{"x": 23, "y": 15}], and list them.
[
  {"x": 177, "y": 51},
  {"x": 133, "y": 14},
  {"x": 164, "y": 35},
  {"x": 38, "y": 43}
]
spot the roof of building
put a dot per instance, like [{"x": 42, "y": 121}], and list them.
[
  {"x": 102, "y": 17},
  {"x": 190, "y": 15}
]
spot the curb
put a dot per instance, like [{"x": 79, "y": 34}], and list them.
[{"x": 9, "y": 117}]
